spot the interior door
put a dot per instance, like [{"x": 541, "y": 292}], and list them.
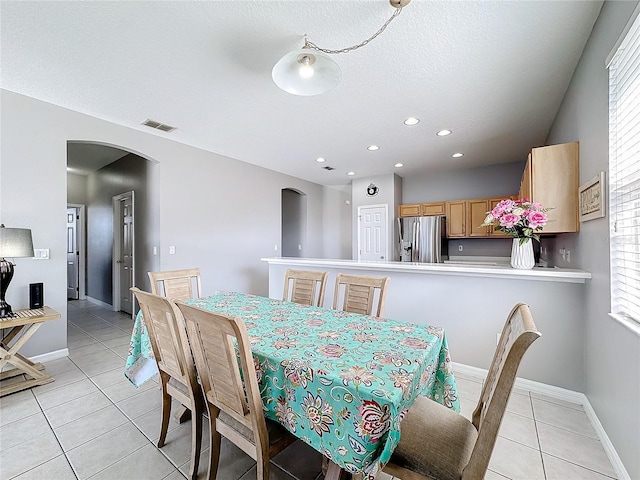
[
  {"x": 73, "y": 271},
  {"x": 372, "y": 233},
  {"x": 125, "y": 261}
]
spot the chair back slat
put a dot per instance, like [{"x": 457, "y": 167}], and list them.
[
  {"x": 213, "y": 339},
  {"x": 304, "y": 285},
  {"x": 177, "y": 284},
  {"x": 518, "y": 334},
  {"x": 359, "y": 294}
]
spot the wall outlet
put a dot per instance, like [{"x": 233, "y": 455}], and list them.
[
  {"x": 275, "y": 247},
  {"x": 459, "y": 248},
  {"x": 568, "y": 255},
  {"x": 172, "y": 249}
]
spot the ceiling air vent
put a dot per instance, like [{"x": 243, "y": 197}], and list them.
[
  {"x": 328, "y": 168},
  {"x": 158, "y": 125}
]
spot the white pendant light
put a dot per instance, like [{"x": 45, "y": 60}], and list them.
[
  {"x": 306, "y": 72},
  {"x": 310, "y": 71}
]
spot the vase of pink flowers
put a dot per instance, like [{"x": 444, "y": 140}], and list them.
[{"x": 520, "y": 219}]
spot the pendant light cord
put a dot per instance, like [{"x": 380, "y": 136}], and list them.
[{"x": 309, "y": 44}]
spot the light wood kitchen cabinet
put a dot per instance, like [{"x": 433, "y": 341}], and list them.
[
  {"x": 476, "y": 213},
  {"x": 456, "y": 219},
  {"x": 434, "y": 208},
  {"x": 421, "y": 209},
  {"x": 551, "y": 178},
  {"x": 409, "y": 210}
]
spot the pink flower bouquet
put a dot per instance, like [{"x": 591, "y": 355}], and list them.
[{"x": 517, "y": 218}]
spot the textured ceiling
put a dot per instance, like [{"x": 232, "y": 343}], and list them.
[{"x": 494, "y": 72}]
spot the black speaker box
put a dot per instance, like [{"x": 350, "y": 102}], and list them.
[{"x": 36, "y": 295}]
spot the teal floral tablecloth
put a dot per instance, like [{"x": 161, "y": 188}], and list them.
[{"x": 341, "y": 382}]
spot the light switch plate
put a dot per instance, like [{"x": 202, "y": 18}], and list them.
[{"x": 41, "y": 254}]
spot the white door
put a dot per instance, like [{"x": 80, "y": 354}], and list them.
[
  {"x": 372, "y": 232},
  {"x": 72, "y": 254},
  {"x": 124, "y": 251}
]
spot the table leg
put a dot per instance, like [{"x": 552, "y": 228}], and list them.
[
  {"x": 9, "y": 355},
  {"x": 334, "y": 472}
]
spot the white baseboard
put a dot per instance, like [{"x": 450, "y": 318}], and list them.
[
  {"x": 561, "y": 394},
  {"x": 47, "y": 357},
  {"x": 99, "y": 302}
]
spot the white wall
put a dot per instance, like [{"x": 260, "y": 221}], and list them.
[
  {"x": 483, "y": 182},
  {"x": 611, "y": 352},
  {"x": 336, "y": 228},
  {"x": 221, "y": 214},
  {"x": 76, "y": 189}
]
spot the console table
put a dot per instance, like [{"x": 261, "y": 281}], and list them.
[{"x": 23, "y": 324}]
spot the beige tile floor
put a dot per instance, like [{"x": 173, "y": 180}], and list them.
[{"x": 91, "y": 423}]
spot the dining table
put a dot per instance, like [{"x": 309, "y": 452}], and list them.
[{"x": 340, "y": 381}]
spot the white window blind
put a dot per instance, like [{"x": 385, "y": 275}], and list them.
[{"x": 624, "y": 175}]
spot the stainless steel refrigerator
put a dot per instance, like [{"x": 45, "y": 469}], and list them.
[{"x": 423, "y": 239}]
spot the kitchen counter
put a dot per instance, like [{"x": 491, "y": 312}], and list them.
[
  {"x": 472, "y": 269},
  {"x": 471, "y": 302}
]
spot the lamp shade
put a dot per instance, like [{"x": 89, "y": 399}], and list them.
[
  {"x": 15, "y": 242},
  {"x": 306, "y": 72}
]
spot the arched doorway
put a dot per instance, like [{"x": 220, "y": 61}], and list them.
[
  {"x": 96, "y": 174},
  {"x": 294, "y": 223}
]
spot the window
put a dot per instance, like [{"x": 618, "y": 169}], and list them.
[{"x": 624, "y": 175}]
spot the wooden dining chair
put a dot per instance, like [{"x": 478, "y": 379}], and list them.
[
  {"x": 233, "y": 401},
  {"x": 177, "y": 284},
  {"x": 178, "y": 379},
  {"x": 436, "y": 442},
  {"x": 303, "y": 287},
  {"x": 359, "y": 293}
]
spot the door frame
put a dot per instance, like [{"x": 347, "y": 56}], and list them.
[
  {"x": 81, "y": 235},
  {"x": 117, "y": 248},
  {"x": 386, "y": 215}
]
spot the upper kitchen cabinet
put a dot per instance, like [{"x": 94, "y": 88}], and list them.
[
  {"x": 421, "y": 209},
  {"x": 435, "y": 208},
  {"x": 551, "y": 178},
  {"x": 409, "y": 210},
  {"x": 477, "y": 212},
  {"x": 457, "y": 219}
]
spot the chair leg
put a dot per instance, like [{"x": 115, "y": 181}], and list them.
[
  {"x": 214, "y": 444},
  {"x": 262, "y": 468},
  {"x": 196, "y": 438},
  {"x": 166, "y": 410}
]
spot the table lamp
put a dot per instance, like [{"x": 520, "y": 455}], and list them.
[{"x": 14, "y": 243}]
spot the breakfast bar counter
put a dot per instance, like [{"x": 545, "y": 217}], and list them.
[
  {"x": 471, "y": 302},
  {"x": 459, "y": 268}
]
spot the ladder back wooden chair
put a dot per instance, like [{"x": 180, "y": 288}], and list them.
[
  {"x": 233, "y": 403},
  {"x": 438, "y": 443},
  {"x": 178, "y": 379},
  {"x": 359, "y": 293},
  {"x": 177, "y": 284},
  {"x": 304, "y": 285}
]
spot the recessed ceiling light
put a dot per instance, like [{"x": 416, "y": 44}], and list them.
[
  {"x": 444, "y": 133},
  {"x": 412, "y": 121},
  {"x": 351, "y": 174},
  {"x": 457, "y": 155},
  {"x": 398, "y": 165},
  {"x": 373, "y": 148},
  {"x": 320, "y": 160}
]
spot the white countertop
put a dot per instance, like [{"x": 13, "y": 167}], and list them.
[{"x": 461, "y": 269}]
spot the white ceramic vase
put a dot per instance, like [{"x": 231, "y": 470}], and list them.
[{"x": 522, "y": 255}]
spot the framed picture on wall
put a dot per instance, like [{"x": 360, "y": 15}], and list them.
[{"x": 591, "y": 198}]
